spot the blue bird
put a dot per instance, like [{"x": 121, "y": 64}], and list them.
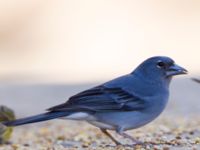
[{"x": 124, "y": 103}]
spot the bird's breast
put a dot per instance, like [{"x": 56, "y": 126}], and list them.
[{"x": 155, "y": 105}]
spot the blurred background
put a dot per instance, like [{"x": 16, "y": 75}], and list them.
[{"x": 50, "y": 50}]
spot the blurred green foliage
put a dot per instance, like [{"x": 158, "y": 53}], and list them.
[{"x": 6, "y": 114}]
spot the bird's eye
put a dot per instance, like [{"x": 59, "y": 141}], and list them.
[{"x": 160, "y": 64}]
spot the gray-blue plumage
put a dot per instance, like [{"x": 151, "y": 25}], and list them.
[{"x": 124, "y": 103}]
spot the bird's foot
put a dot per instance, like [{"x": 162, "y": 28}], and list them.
[{"x": 136, "y": 142}]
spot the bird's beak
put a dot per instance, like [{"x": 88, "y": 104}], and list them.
[{"x": 175, "y": 70}]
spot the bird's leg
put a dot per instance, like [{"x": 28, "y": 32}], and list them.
[
  {"x": 125, "y": 135},
  {"x": 110, "y": 136}
]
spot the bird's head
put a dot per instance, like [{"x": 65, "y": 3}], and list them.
[{"x": 159, "y": 68}]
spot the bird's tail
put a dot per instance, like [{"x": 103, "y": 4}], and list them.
[{"x": 36, "y": 118}]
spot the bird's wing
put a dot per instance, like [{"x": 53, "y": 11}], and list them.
[{"x": 101, "y": 99}]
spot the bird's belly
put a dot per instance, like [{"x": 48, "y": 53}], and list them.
[
  {"x": 102, "y": 125},
  {"x": 125, "y": 120}
]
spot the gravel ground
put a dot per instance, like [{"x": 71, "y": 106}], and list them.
[{"x": 165, "y": 133}]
